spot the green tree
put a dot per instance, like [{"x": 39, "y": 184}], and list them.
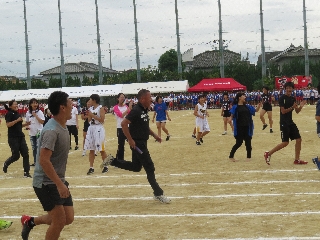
[
  {"x": 55, "y": 82},
  {"x": 38, "y": 84},
  {"x": 86, "y": 81},
  {"x": 168, "y": 61}
]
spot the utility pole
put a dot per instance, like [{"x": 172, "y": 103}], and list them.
[
  {"x": 63, "y": 74},
  {"x": 306, "y": 47},
  {"x": 178, "y": 41},
  {"x": 110, "y": 56},
  {"x": 221, "y": 43},
  {"x": 263, "y": 53},
  {"x": 98, "y": 43},
  {"x": 136, "y": 41},
  {"x": 27, "y": 45}
]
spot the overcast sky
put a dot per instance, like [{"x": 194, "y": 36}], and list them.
[{"x": 198, "y": 21}]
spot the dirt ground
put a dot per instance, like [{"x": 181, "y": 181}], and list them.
[{"x": 212, "y": 198}]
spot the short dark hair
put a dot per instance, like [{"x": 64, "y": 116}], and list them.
[
  {"x": 236, "y": 99},
  {"x": 55, "y": 100},
  {"x": 288, "y": 84},
  {"x": 119, "y": 94},
  {"x": 10, "y": 104},
  {"x": 225, "y": 93},
  {"x": 266, "y": 88},
  {"x": 30, "y": 102},
  {"x": 202, "y": 96},
  {"x": 157, "y": 98},
  {"x": 141, "y": 93},
  {"x": 95, "y": 97}
]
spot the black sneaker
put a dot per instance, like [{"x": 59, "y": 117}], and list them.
[
  {"x": 201, "y": 140},
  {"x": 32, "y": 165},
  {"x": 91, "y": 171},
  {"x": 264, "y": 126},
  {"x": 198, "y": 143},
  {"x": 193, "y": 136},
  {"x": 76, "y": 148},
  {"x": 27, "y": 175},
  {"x": 105, "y": 170},
  {"x": 70, "y": 148},
  {"x": 168, "y": 137},
  {"x": 5, "y": 168},
  {"x": 25, "y": 227},
  {"x": 271, "y": 131}
]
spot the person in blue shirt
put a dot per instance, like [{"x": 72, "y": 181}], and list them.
[
  {"x": 160, "y": 110},
  {"x": 241, "y": 114}
]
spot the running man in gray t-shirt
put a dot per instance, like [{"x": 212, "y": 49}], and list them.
[{"x": 49, "y": 176}]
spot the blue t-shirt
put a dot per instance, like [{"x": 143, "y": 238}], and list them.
[{"x": 160, "y": 109}]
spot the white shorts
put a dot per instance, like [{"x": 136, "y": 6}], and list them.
[
  {"x": 95, "y": 138},
  {"x": 202, "y": 125}
]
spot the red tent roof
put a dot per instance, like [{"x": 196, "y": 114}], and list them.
[{"x": 217, "y": 84}]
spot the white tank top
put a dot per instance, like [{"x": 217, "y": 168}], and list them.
[
  {"x": 202, "y": 109},
  {"x": 96, "y": 112}
]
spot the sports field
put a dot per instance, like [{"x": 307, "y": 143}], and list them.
[{"x": 212, "y": 198}]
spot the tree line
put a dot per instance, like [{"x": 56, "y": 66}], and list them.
[{"x": 245, "y": 73}]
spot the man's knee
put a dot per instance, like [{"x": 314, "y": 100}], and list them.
[
  {"x": 137, "y": 168},
  {"x": 69, "y": 220}
]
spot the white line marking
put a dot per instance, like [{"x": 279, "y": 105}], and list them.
[
  {"x": 151, "y": 198},
  {"x": 173, "y": 185},
  {"x": 241, "y": 214}
]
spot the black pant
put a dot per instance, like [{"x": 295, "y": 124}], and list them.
[
  {"x": 242, "y": 134},
  {"x": 74, "y": 131},
  {"x": 121, "y": 141},
  {"x": 19, "y": 146},
  {"x": 138, "y": 161}
]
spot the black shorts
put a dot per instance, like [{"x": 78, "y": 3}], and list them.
[
  {"x": 49, "y": 197},
  {"x": 73, "y": 130},
  {"x": 267, "y": 107},
  {"x": 289, "y": 131},
  {"x": 226, "y": 113},
  {"x": 86, "y": 126}
]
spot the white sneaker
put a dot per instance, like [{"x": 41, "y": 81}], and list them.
[
  {"x": 84, "y": 153},
  {"x": 162, "y": 199},
  {"x": 107, "y": 161},
  {"x": 225, "y": 133}
]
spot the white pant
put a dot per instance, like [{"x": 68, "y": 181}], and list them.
[
  {"x": 202, "y": 125},
  {"x": 95, "y": 138}
]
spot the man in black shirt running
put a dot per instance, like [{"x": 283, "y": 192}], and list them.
[
  {"x": 138, "y": 134},
  {"x": 288, "y": 128}
]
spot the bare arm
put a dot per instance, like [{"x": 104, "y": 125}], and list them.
[
  {"x": 45, "y": 163},
  {"x": 10, "y": 124}
]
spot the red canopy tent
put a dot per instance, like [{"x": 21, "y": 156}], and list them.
[{"x": 217, "y": 84}]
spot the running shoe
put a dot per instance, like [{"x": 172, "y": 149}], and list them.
[
  {"x": 83, "y": 153},
  {"x": 91, "y": 171},
  {"x": 198, "y": 143},
  {"x": 300, "y": 162},
  {"x": 201, "y": 140},
  {"x": 224, "y": 133},
  {"x": 25, "y": 227},
  {"x": 168, "y": 137},
  {"x": 107, "y": 161},
  {"x": 267, "y": 157},
  {"x": 193, "y": 136},
  {"x": 5, "y": 224},
  {"x": 76, "y": 148},
  {"x": 162, "y": 199},
  {"x": 5, "y": 168},
  {"x": 264, "y": 126},
  {"x": 105, "y": 170},
  {"x": 32, "y": 165},
  {"x": 27, "y": 175},
  {"x": 316, "y": 162}
]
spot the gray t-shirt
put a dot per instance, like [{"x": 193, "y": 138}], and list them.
[{"x": 55, "y": 138}]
